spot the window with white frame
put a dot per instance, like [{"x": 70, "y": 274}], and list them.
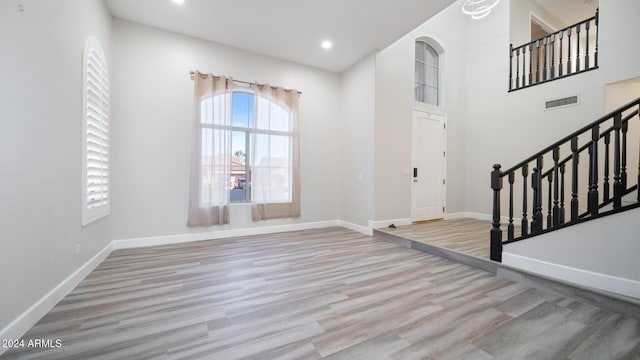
[
  {"x": 95, "y": 133},
  {"x": 255, "y": 151},
  {"x": 427, "y": 74}
]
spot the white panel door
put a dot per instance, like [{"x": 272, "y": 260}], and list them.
[{"x": 428, "y": 151}]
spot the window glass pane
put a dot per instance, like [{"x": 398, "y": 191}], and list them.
[
  {"x": 280, "y": 184},
  {"x": 279, "y": 146},
  {"x": 419, "y": 93},
  {"x": 431, "y": 95},
  {"x": 262, "y": 117},
  {"x": 420, "y": 51},
  {"x": 206, "y": 111},
  {"x": 431, "y": 76},
  {"x": 431, "y": 55},
  {"x": 279, "y": 118},
  {"x": 239, "y": 145},
  {"x": 259, "y": 183},
  {"x": 426, "y": 73},
  {"x": 238, "y": 174},
  {"x": 214, "y": 160},
  {"x": 242, "y": 109},
  {"x": 420, "y": 72},
  {"x": 261, "y": 150},
  {"x": 213, "y": 109}
]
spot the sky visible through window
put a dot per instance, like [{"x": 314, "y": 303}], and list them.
[{"x": 242, "y": 116}]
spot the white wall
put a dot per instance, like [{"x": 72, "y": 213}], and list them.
[
  {"x": 618, "y": 58},
  {"x": 152, "y": 112},
  {"x": 520, "y": 20},
  {"x": 517, "y": 121},
  {"x": 358, "y": 105},
  {"x": 40, "y": 147},
  {"x": 617, "y": 95},
  {"x": 394, "y": 104},
  {"x": 578, "y": 254}
]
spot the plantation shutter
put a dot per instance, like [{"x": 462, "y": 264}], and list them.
[{"x": 96, "y": 112}]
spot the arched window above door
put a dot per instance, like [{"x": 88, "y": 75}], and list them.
[{"x": 427, "y": 73}]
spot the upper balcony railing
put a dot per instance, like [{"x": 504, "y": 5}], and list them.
[{"x": 566, "y": 52}]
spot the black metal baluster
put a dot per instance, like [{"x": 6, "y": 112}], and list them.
[
  {"x": 574, "y": 178},
  {"x": 556, "y": 187},
  {"x": 538, "y": 60},
  {"x": 605, "y": 185},
  {"x": 496, "y": 233},
  {"x": 524, "y": 65},
  {"x": 553, "y": 56},
  {"x": 623, "y": 170},
  {"x": 517, "y": 68},
  {"x": 534, "y": 206},
  {"x": 549, "y": 203},
  {"x": 561, "y": 34},
  {"x": 561, "y": 216},
  {"x": 595, "y": 53},
  {"x": 617, "y": 179},
  {"x": 530, "y": 62},
  {"x": 569, "y": 51},
  {"x": 510, "y": 66},
  {"x": 510, "y": 226},
  {"x": 525, "y": 222},
  {"x": 593, "y": 166},
  {"x": 544, "y": 69},
  {"x": 578, "y": 48},
  {"x": 586, "y": 55},
  {"x": 536, "y": 183}
]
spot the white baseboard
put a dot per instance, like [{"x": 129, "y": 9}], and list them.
[
  {"x": 20, "y": 325},
  {"x": 582, "y": 277},
  {"x": 220, "y": 234},
  {"x": 467, "y": 215},
  {"x": 377, "y": 224},
  {"x": 355, "y": 227}
]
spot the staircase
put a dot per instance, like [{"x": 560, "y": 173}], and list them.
[{"x": 597, "y": 177}]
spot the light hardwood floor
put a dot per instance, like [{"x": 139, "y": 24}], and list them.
[
  {"x": 468, "y": 236},
  {"x": 328, "y": 293}
]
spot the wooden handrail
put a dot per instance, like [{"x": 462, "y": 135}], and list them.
[
  {"x": 588, "y": 144},
  {"x": 573, "y": 134},
  {"x": 611, "y": 143}
]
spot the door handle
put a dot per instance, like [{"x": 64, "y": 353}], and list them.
[{"x": 415, "y": 174}]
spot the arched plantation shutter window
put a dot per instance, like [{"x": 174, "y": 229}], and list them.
[
  {"x": 427, "y": 73},
  {"x": 95, "y": 125}
]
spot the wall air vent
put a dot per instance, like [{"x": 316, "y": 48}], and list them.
[{"x": 552, "y": 104}]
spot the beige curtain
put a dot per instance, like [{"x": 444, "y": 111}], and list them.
[
  {"x": 275, "y": 170},
  {"x": 210, "y": 151}
]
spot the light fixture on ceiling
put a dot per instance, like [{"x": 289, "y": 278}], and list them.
[
  {"x": 179, "y": 2},
  {"x": 327, "y": 44},
  {"x": 477, "y": 9}
]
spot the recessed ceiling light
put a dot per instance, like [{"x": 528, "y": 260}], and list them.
[
  {"x": 179, "y": 2},
  {"x": 327, "y": 44}
]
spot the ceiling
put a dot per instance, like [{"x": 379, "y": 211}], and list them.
[
  {"x": 570, "y": 11},
  {"x": 288, "y": 29}
]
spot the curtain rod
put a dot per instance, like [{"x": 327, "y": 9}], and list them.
[{"x": 203, "y": 76}]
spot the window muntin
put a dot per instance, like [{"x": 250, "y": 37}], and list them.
[
  {"x": 95, "y": 110},
  {"x": 427, "y": 73}
]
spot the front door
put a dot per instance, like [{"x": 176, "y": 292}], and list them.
[{"x": 428, "y": 158}]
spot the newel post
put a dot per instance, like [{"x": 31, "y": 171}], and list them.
[{"x": 496, "y": 233}]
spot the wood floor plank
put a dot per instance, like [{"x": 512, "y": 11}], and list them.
[{"x": 325, "y": 293}]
